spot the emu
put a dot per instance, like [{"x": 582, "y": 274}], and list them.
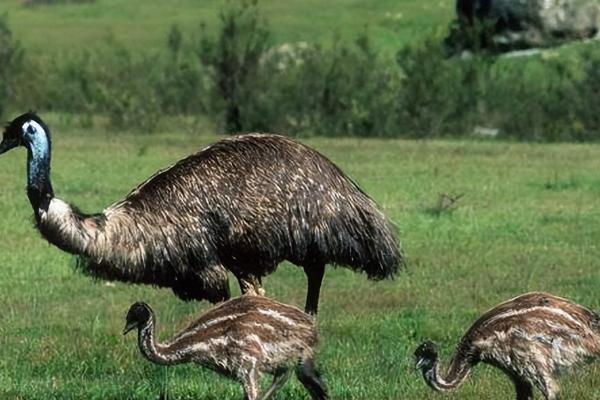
[
  {"x": 243, "y": 204},
  {"x": 531, "y": 338},
  {"x": 241, "y": 339}
]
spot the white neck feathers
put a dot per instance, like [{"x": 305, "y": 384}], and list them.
[{"x": 64, "y": 228}]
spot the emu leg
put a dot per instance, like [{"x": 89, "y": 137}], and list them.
[
  {"x": 250, "y": 284},
  {"x": 278, "y": 381},
  {"x": 314, "y": 273},
  {"x": 309, "y": 377},
  {"x": 524, "y": 389},
  {"x": 251, "y": 384},
  {"x": 549, "y": 388}
]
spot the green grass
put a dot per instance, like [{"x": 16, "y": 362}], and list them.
[
  {"x": 528, "y": 220},
  {"x": 145, "y": 24}
]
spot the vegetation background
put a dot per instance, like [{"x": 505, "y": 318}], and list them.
[
  {"x": 350, "y": 68},
  {"x": 481, "y": 220}
]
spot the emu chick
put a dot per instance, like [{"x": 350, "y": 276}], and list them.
[
  {"x": 242, "y": 339},
  {"x": 532, "y": 338}
]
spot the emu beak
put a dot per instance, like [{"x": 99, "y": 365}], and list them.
[
  {"x": 6, "y": 145},
  {"x": 128, "y": 328},
  {"x": 419, "y": 364}
]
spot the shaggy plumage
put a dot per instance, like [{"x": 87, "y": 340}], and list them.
[
  {"x": 532, "y": 338},
  {"x": 242, "y": 338},
  {"x": 243, "y": 204}
]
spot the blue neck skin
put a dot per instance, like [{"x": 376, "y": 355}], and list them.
[{"x": 39, "y": 187}]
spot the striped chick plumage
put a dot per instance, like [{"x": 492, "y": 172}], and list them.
[
  {"x": 533, "y": 338},
  {"x": 242, "y": 339}
]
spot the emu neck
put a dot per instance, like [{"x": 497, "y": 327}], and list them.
[
  {"x": 457, "y": 373},
  {"x": 39, "y": 186},
  {"x": 153, "y": 351}
]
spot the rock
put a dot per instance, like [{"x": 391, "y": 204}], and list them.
[
  {"x": 485, "y": 132},
  {"x": 520, "y": 24}
]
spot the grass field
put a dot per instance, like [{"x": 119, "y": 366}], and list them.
[
  {"x": 528, "y": 220},
  {"x": 145, "y": 24}
]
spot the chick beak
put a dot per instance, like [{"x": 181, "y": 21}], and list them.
[
  {"x": 130, "y": 326},
  {"x": 420, "y": 363}
]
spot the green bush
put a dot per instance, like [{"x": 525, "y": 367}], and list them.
[
  {"x": 180, "y": 81},
  {"x": 430, "y": 94},
  {"x": 133, "y": 90},
  {"x": 233, "y": 59},
  {"x": 242, "y": 82},
  {"x": 541, "y": 97},
  {"x": 586, "y": 123},
  {"x": 295, "y": 88},
  {"x": 11, "y": 58},
  {"x": 302, "y": 89},
  {"x": 344, "y": 90}
]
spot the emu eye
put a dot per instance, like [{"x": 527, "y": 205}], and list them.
[{"x": 30, "y": 129}]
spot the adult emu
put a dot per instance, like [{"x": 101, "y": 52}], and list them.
[
  {"x": 532, "y": 338},
  {"x": 243, "y": 204}
]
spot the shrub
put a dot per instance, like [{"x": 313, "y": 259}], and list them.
[
  {"x": 427, "y": 99},
  {"x": 541, "y": 97},
  {"x": 244, "y": 84},
  {"x": 342, "y": 90},
  {"x": 134, "y": 90},
  {"x": 233, "y": 58},
  {"x": 180, "y": 82},
  {"x": 295, "y": 88},
  {"x": 584, "y": 95},
  {"x": 11, "y": 58}
]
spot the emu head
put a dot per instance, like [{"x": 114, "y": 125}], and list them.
[
  {"x": 138, "y": 315},
  {"x": 24, "y": 130},
  {"x": 426, "y": 355}
]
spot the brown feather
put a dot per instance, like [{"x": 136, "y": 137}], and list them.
[{"x": 243, "y": 205}]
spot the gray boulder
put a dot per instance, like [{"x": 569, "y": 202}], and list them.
[{"x": 519, "y": 24}]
